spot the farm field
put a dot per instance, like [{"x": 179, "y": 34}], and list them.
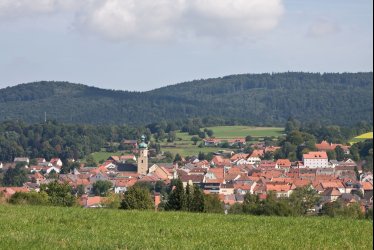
[
  {"x": 30, "y": 227},
  {"x": 185, "y": 147},
  {"x": 362, "y": 137},
  {"x": 229, "y": 132}
]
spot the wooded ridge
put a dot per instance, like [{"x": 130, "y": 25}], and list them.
[{"x": 251, "y": 99}]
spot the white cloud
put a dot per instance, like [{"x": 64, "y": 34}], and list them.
[
  {"x": 132, "y": 19},
  {"x": 323, "y": 27},
  {"x": 237, "y": 17},
  {"x": 158, "y": 19}
]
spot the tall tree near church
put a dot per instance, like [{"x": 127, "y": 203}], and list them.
[
  {"x": 198, "y": 204},
  {"x": 177, "y": 198},
  {"x": 189, "y": 198}
]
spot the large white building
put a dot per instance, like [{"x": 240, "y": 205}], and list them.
[{"x": 316, "y": 160}]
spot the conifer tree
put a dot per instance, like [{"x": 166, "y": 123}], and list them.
[
  {"x": 198, "y": 204},
  {"x": 177, "y": 198},
  {"x": 189, "y": 198}
]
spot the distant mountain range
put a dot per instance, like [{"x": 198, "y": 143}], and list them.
[{"x": 255, "y": 99}]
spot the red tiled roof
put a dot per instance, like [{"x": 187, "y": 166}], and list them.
[
  {"x": 239, "y": 156},
  {"x": 125, "y": 183},
  {"x": 278, "y": 187},
  {"x": 242, "y": 186},
  {"x": 316, "y": 155},
  {"x": 301, "y": 182},
  {"x": 218, "y": 172},
  {"x": 284, "y": 163},
  {"x": 257, "y": 153},
  {"x": 367, "y": 185}
]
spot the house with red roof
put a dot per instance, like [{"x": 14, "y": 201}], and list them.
[
  {"x": 324, "y": 185},
  {"x": 192, "y": 179},
  {"x": 326, "y": 146},
  {"x": 330, "y": 194},
  {"x": 220, "y": 161},
  {"x": 316, "y": 160},
  {"x": 244, "y": 188},
  {"x": 100, "y": 176},
  {"x": 257, "y": 153},
  {"x": 283, "y": 163},
  {"x": 367, "y": 190},
  {"x": 122, "y": 185},
  {"x": 239, "y": 156},
  {"x": 92, "y": 202},
  {"x": 162, "y": 172},
  {"x": 267, "y": 165},
  {"x": 280, "y": 189},
  {"x": 215, "y": 173},
  {"x": 227, "y": 189},
  {"x": 56, "y": 162},
  {"x": 38, "y": 178},
  {"x": 254, "y": 159}
]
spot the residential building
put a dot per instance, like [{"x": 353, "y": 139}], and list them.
[{"x": 316, "y": 160}]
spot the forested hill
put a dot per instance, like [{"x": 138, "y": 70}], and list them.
[{"x": 255, "y": 99}]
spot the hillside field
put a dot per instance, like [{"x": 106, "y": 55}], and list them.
[
  {"x": 30, "y": 227},
  {"x": 230, "y": 132},
  {"x": 184, "y": 146},
  {"x": 102, "y": 156},
  {"x": 362, "y": 137}
]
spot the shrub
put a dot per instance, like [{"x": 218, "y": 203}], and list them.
[{"x": 32, "y": 198}]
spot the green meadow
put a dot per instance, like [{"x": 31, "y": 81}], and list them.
[
  {"x": 229, "y": 132},
  {"x": 31, "y": 227},
  {"x": 102, "y": 156},
  {"x": 185, "y": 147}
]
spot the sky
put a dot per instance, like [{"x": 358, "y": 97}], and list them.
[{"x": 139, "y": 45}]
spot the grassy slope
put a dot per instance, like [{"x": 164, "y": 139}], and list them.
[
  {"x": 243, "y": 131},
  {"x": 27, "y": 227},
  {"x": 185, "y": 146},
  {"x": 102, "y": 156}
]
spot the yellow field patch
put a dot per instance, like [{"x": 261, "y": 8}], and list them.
[{"x": 365, "y": 136}]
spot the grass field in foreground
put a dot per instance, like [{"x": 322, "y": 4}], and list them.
[
  {"x": 243, "y": 131},
  {"x": 362, "y": 137},
  {"x": 28, "y": 227}
]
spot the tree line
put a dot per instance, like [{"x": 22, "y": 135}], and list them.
[{"x": 302, "y": 202}]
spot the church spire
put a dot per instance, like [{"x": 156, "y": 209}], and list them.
[{"x": 143, "y": 157}]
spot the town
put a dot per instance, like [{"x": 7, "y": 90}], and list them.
[{"x": 228, "y": 175}]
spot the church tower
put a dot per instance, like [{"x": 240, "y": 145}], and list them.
[{"x": 143, "y": 157}]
